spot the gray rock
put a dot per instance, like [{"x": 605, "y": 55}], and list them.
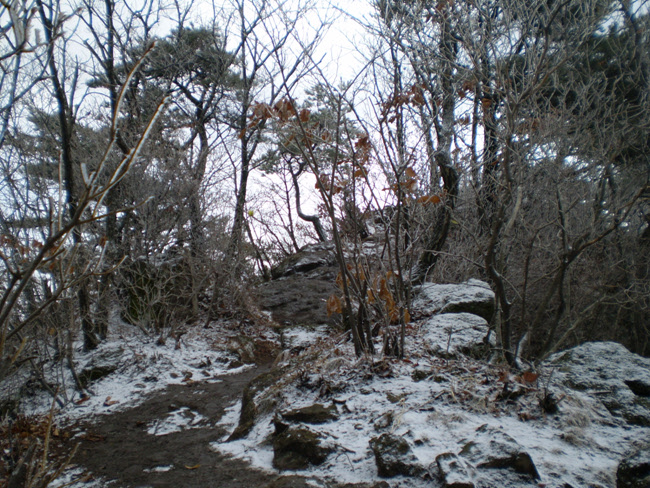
[
  {"x": 102, "y": 364},
  {"x": 394, "y": 457},
  {"x": 473, "y": 296},
  {"x": 612, "y": 375},
  {"x": 634, "y": 471},
  {"x": 454, "y": 471},
  {"x": 452, "y": 333},
  {"x": 492, "y": 448},
  {"x": 299, "y": 300},
  {"x": 307, "y": 259},
  {"x": 297, "y": 448}
]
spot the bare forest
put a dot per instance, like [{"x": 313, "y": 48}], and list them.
[{"x": 159, "y": 158}]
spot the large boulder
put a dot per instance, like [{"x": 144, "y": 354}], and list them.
[
  {"x": 608, "y": 372},
  {"x": 394, "y": 457},
  {"x": 473, "y": 296},
  {"x": 634, "y": 471},
  {"x": 452, "y": 333}
]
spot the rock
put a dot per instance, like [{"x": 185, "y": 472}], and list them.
[
  {"x": 101, "y": 365},
  {"x": 492, "y": 448},
  {"x": 300, "y": 287},
  {"x": 250, "y": 408},
  {"x": 307, "y": 259},
  {"x": 473, "y": 296},
  {"x": 634, "y": 471},
  {"x": 454, "y": 471},
  {"x": 313, "y": 414},
  {"x": 252, "y": 350},
  {"x": 612, "y": 375},
  {"x": 452, "y": 333},
  {"x": 384, "y": 421},
  {"x": 299, "y": 300},
  {"x": 394, "y": 457},
  {"x": 298, "y": 448}
]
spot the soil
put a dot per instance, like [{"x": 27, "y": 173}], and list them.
[{"x": 117, "y": 446}]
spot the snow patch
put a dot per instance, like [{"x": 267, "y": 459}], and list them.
[{"x": 176, "y": 421}]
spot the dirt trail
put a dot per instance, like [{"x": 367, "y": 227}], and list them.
[{"x": 119, "y": 448}]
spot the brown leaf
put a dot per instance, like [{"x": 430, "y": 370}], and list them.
[
  {"x": 410, "y": 172},
  {"x": 83, "y": 399},
  {"x": 371, "y": 296},
  {"x": 334, "y": 305},
  {"x": 429, "y": 199},
  {"x": 529, "y": 377},
  {"x": 196, "y": 466},
  {"x": 108, "y": 402}
]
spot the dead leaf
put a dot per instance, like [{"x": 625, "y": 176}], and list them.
[
  {"x": 334, "y": 305},
  {"x": 196, "y": 466},
  {"x": 83, "y": 399},
  {"x": 429, "y": 199},
  {"x": 108, "y": 402},
  {"x": 529, "y": 377}
]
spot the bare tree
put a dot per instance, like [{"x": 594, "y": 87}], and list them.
[{"x": 60, "y": 260}]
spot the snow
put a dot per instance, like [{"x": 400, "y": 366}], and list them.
[
  {"x": 435, "y": 403},
  {"x": 143, "y": 365},
  {"x": 435, "y": 297},
  {"x": 176, "y": 421},
  {"x": 579, "y": 446}
]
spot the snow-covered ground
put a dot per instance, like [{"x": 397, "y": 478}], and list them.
[
  {"x": 143, "y": 364},
  {"x": 438, "y": 413},
  {"x": 436, "y": 403}
]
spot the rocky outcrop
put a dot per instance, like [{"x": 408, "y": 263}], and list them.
[
  {"x": 491, "y": 458},
  {"x": 634, "y": 471},
  {"x": 301, "y": 284},
  {"x": 473, "y": 296},
  {"x": 608, "y": 372},
  {"x": 394, "y": 457},
  {"x": 449, "y": 334},
  {"x": 306, "y": 260}
]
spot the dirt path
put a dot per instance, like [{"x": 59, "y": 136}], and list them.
[{"x": 119, "y": 448}]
